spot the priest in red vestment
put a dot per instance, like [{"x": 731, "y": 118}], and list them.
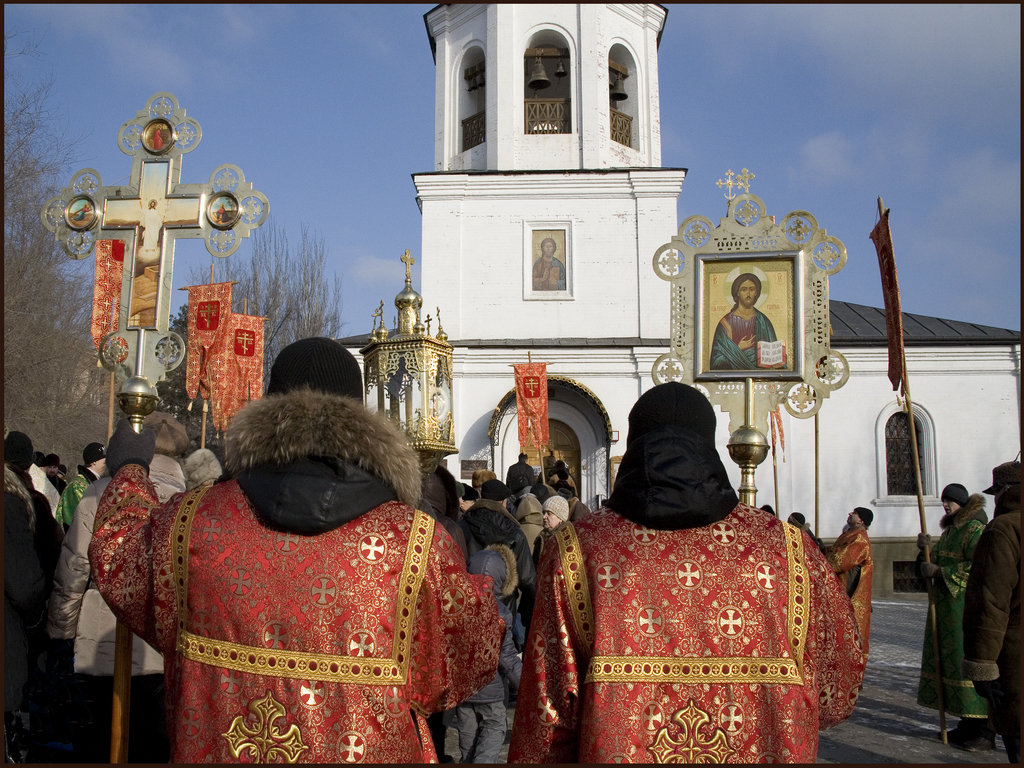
[
  {"x": 306, "y": 611},
  {"x": 850, "y": 558},
  {"x": 679, "y": 625}
]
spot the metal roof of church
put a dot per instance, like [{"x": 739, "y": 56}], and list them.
[{"x": 853, "y": 325}]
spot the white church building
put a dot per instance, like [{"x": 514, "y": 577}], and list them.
[{"x": 539, "y": 222}]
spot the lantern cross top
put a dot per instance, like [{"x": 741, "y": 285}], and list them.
[{"x": 741, "y": 181}]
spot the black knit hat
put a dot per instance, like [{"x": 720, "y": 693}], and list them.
[
  {"x": 319, "y": 363},
  {"x": 865, "y": 515},
  {"x": 93, "y": 452},
  {"x": 955, "y": 492},
  {"x": 672, "y": 404},
  {"x": 495, "y": 490},
  {"x": 18, "y": 450}
]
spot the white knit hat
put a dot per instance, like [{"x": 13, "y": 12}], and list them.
[{"x": 558, "y": 507}]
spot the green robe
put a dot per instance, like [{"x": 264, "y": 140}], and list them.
[
  {"x": 953, "y": 554},
  {"x": 726, "y": 354},
  {"x": 65, "y": 511}
]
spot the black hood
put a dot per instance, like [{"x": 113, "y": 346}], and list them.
[
  {"x": 671, "y": 478},
  {"x": 314, "y": 494}
]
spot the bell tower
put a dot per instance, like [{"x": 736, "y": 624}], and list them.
[
  {"x": 524, "y": 87},
  {"x": 541, "y": 217}
]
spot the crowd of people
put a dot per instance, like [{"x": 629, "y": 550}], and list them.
[{"x": 320, "y": 599}]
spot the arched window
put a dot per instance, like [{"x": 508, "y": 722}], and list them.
[
  {"x": 899, "y": 456},
  {"x": 472, "y": 99},
  {"x": 622, "y": 96},
  {"x": 547, "y": 85}
]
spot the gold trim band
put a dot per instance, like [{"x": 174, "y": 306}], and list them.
[
  {"x": 571, "y": 556},
  {"x": 312, "y": 666},
  {"x": 282, "y": 663},
  {"x": 643, "y": 669}
]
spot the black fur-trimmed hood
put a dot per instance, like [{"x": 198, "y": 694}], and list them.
[{"x": 311, "y": 461}]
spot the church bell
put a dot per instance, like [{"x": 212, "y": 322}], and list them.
[
  {"x": 539, "y": 77},
  {"x": 618, "y": 93}
]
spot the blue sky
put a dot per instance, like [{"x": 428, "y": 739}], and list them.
[{"x": 329, "y": 110}]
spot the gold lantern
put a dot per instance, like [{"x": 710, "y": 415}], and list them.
[{"x": 408, "y": 375}]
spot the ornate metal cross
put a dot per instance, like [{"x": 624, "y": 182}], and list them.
[{"x": 148, "y": 215}]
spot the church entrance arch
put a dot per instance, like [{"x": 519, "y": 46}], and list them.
[
  {"x": 564, "y": 446},
  {"x": 579, "y": 431}
]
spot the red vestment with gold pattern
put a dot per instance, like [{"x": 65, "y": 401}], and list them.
[
  {"x": 853, "y": 548},
  {"x": 730, "y": 643},
  {"x": 281, "y": 646}
]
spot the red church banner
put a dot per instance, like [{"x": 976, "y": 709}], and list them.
[
  {"x": 882, "y": 238},
  {"x": 532, "y": 403},
  {"x": 106, "y": 292},
  {"x": 209, "y": 315},
  {"x": 239, "y": 365}
]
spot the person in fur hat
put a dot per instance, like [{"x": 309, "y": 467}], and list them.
[
  {"x": 992, "y": 621},
  {"x": 664, "y": 617},
  {"x": 305, "y": 609},
  {"x": 201, "y": 467},
  {"x": 948, "y": 570}
]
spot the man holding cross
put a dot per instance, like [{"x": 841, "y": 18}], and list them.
[{"x": 305, "y": 609}]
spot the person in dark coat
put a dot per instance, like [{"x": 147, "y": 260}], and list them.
[
  {"x": 488, "y": 522},
  {"x": 440, "y": 499},
  {"x": 24, "y": 605},
  {"x": 482, "y": 719},
  {"x": 520, "y": 474},
  {"x": 992, "y": 611}
]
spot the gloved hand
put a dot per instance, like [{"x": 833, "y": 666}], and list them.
[
  {"x": 924, "y": 540},
  {"x": 990, "y": 690},
  {"x": 128, "y": 447},
  {"x": 930, "y": 570}
]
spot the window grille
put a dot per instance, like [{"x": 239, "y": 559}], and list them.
[
  {"x": 899, "y": 461},
  {"x": 622, "y": 127},
  {"x": 473, "y": 130}
]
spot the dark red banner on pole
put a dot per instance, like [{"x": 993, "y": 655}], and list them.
[
  {"x": 882, "y": 238},
  {"x": 532, "y": 403},
  {"x": 106, "y": 293}
]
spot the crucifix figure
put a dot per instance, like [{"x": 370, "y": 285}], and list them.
[{"x": 153, "y": 215}]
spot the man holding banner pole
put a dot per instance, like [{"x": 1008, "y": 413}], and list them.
[{"x": 882, "y": 238}]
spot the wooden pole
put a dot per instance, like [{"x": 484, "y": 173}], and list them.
[
  {"x": 122, "y": 694},
  {"x": 110, "y": 405},
  {"x": 817, "y": 475},
  {"x": 932, "y": 617},
  {"x": 775, "y": 473}
]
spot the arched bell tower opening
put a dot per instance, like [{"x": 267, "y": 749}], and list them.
[
  {"x": 547, "y": 84},
  {"x": 473, "y": 99},
  {"x": 623, "y": 96}
]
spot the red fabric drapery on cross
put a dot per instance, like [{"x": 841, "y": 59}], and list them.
[
  {"x": 106, "y": 292},
  {"x": 882, "y": 238},
  {"x": 209, "y": 316},
  {"x": 532, "y": 403},
  {"x": 775, "y": 420},
  {"x": 238, "y": 361}
]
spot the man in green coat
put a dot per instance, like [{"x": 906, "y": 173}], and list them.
[
  {"x": 948, "y": 570},
  {"x": 94, "y": 463}
]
